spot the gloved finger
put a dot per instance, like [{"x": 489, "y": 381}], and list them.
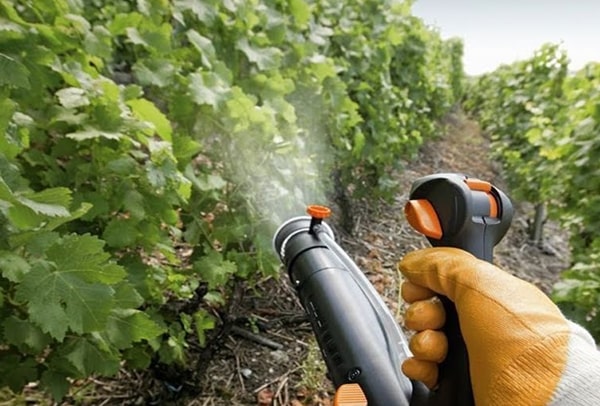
[
  {"x": 424, "y": 371},
  {"x": 429, "y": 345},
  {"x": 443, "y": 269},
  {"x": 425, "y": 315},
  {"x": 411, "y": 292}
]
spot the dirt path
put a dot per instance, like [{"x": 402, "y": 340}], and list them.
[{"x": 267, "y": 354}]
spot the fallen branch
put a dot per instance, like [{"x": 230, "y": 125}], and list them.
[{"x": 256, "y": 338}]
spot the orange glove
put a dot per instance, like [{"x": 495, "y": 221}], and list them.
[{"x": 522, "y": 350}]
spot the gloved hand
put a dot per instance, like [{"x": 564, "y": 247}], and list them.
[{"x": 522, "y": 350}]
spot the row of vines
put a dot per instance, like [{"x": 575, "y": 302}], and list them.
[
  {"x": 140, "y": 140},
  {"x": 545, "y": 125}
]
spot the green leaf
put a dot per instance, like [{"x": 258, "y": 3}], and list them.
[
  {"x": 15, "y": 371},
  {"x": 70, "y": 292},
  {"x": 50, "y": 210},
  {"x": 154, "y": 72},
  {"x": 133, "y": 202},
  {"x": 98, "y": 42},
  {"x": 49, "y": 202},
  {"x": 126, "y": 327},
  {"x": 185, "y": 148},
  {"x": 24, "y": 218},
  {"x": 120, "y": 232},
  {"x": 156, "y": 40},
  {"x": 88, "y": 358},
  {"x": 119, "y": 24},
  {"x": 208, "y": 88},
  {"x": 214, "y": 269},
  {"x": 300, "y": 11},
  {"x": 125, "y": 165},
  {"x": 13, "y": 266},
  {"x": 13, "y": 73},
  {"x": 24, "y": 335},
  {"x": 5, "y": 192},
  {"x": 126, "y": 297},
  {"x": 72, "y": 97},
  {"x": 203, "y": 10},
  {"x": 37, "y": 242},
  {"x": 204, "y": 46},
  {"x": 83, "y": 256},
  {"x": 91, "y": 133},
  {"x": 265, "y": 58},
  {"x": 56, "y": 383},
  {"x": 203, "y": 321},
  {"x": 147, "y": 111},
  {"x": 204, "y": 182},
  {"x": 138, "y": 357},
  {"x": 359, "y": 143}
]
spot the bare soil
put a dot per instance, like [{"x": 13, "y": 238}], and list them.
[{"x": 266, "y": 354}]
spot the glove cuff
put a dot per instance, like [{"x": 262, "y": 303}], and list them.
[
  {"x": 560, "y": 370},
  {"x": 580, "y": 382}
]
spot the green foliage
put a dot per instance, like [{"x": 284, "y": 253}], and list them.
[
  {"x": 520, "y": 105},
  {"x": 398, "y": 75},
  {"x": 544, "y": 126},
  {"x": 149, "y": 147}
]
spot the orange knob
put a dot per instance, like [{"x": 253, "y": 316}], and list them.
[{"x": 318, "y": 212}]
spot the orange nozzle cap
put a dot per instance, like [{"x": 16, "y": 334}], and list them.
[
  {"x": 350, "y": 394},
  {"x": 318, "y": 212},
  {"x": 422, "y": 217}
]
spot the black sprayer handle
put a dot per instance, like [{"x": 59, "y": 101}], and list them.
[{"x": 456, "y": 211}]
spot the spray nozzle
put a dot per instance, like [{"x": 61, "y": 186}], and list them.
[{"x": 317, "y": 213}]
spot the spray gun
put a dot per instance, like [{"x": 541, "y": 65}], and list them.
[{"x": 361, "y": 343}]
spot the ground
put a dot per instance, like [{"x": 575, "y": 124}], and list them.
[{"x": 267, "y": 355}]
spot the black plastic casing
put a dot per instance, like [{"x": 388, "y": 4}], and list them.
[
  {"x": 464, "y": 213},
  {"x": 466, "y": 224},
  {"x": 347, "y": 329}
]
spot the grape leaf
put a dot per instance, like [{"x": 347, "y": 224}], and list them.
[
  {"x": 72, "y": 97},
  {"x": 13, "y": 72},
  {"x": 125, "y": 327},
  {"x": 127, "y": 297},
  {"x": 154, "y": 72},
  {"x": 56, "y": 383},
  {"x": 147, "y": 111},
  {"x": 24, "y": 335},
  {"x": 69, "y": 292},
  {"x": 91, "y": 133},
  {"x": 203, "y": 321},
  {"x": 13, "y": 266},
  {"x": 49, "y": 202},
  {"x": 204, "y": 46},
  {"x": 138, "y": 357},
  {"x": 120, "y": 232},
  {"x": 205, "y": 182},
  {"x": 203, "y": 10},
  {"x": 215, "y": 270},
  {"x": 88, "y": 358},
  {"x": 265, "y": 58},
  {"x": 83, "y": 256},
  {"x": 119, "y": 24},
  {"x": 300, "y": 11},
  {"x": 16, "y": 371},
  {"x": 208, "y": 88}
]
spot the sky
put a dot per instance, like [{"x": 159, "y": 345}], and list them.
[{"x": 503, "y": 31}]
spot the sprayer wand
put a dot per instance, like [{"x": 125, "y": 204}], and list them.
[{"x": 361, "y": 343}]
